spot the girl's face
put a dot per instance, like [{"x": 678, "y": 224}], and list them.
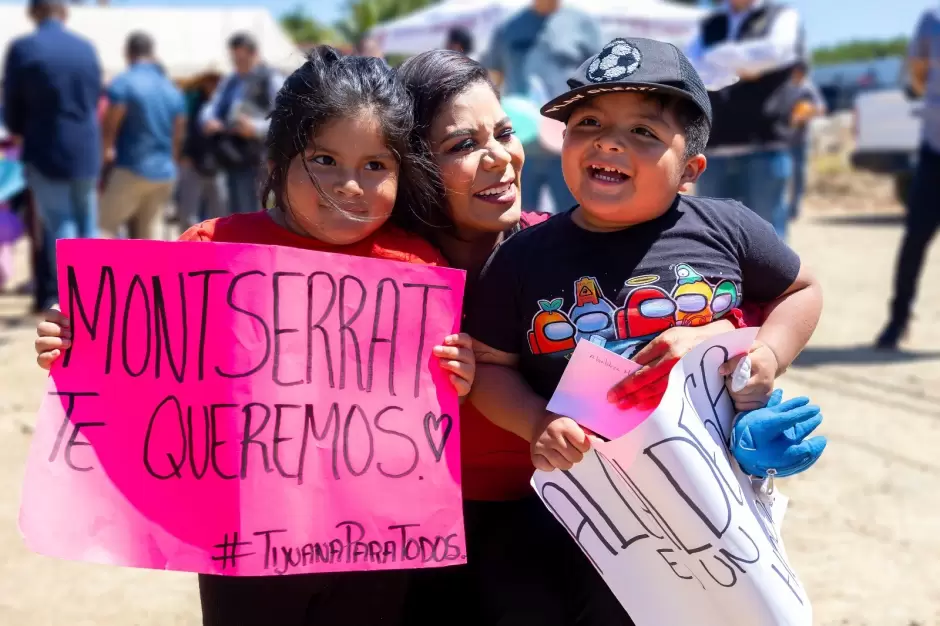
[
  {"x": 480, "y": 161},
  {"x": 358, "y": 175}
]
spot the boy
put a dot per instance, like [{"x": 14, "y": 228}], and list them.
[{"x": 634, "y": 259}]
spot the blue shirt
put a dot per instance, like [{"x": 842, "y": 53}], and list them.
[
  {"x": 536, "y": 53},
  {"x": 925, "y": 46},
  {"x": 51, "y": 88},
  {"x": 145, "y": 139}
]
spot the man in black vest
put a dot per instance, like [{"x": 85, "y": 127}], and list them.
[
  {"x": 236, "y": 119},
  {"x": 748, "y": 154}
]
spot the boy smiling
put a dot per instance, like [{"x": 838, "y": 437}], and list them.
[{"x": 634, "y": 259}]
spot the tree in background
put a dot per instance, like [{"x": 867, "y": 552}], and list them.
[
  {"x": 361, "y": 17},
  {"x": 303, "y": 29},
  {"x": 364, "y": 15},
  {"x": 861, "y": 50}
]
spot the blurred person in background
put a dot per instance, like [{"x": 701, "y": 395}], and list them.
[
  {"x": 12, "y": 184},
  {"x": 808, "y": 104},
  {"x": 236, "y": 119},
  {"x": 749, "y": 156},
  {"x": 460, "y": 39},
  {"x": 370, "y": 47},
  {"x": 531, "y": 55},
  {"x": 923, "y": 214},
  {"x": 200, "y": 196},
  {"x": 51, "y": 85},
  {"x": 142, "y": 136}
]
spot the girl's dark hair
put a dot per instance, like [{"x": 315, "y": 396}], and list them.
[
  {"x": 433, "y": 79},
  {"x": 329, "y": 86}
]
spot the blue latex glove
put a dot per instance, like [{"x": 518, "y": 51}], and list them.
[{"x": 774, "y": 437}]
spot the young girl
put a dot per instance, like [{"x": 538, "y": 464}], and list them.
[{"x": 342, "y": 173}]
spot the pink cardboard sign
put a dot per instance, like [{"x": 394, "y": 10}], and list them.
[{"x": 248, "y": 410}]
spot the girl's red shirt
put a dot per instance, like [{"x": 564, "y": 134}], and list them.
[{"x": 389, "y": 242}]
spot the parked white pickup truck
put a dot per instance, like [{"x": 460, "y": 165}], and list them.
[{"x": 887, "y": 134}]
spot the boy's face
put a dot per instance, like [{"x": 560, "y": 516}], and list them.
[{"x": 624, "y": 159}]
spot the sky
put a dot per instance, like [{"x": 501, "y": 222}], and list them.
[{"x": 827, "y": 21}]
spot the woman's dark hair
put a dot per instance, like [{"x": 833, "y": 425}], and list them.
[
  {"x": 433, "y": 79},
  {"x": 330, "y": 86}
]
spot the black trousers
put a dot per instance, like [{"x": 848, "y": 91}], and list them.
[
  {"x": 523, "y": 570},
  {"x": 340, "y": 599},
  {"x": 923, "y": 219}
]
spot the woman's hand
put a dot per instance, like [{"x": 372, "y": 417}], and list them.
[{"x": 456, "y": 357}]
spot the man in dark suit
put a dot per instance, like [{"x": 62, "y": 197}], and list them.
[{"x": 51, "y": 87}]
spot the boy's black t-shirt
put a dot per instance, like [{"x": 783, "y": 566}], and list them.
[{"x": 552, "y": 284}]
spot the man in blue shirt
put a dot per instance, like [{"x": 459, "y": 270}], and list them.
[
  {"x": 51, "y": 87},
  {"x": 531, "y": 55},
  {"x": 236, "y": 119},
  {"x": 923, "y": 211},
  {"x": 143, "y": 134}
]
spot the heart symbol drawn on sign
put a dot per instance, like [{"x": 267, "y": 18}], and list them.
[{"x": 431, "y": 420}]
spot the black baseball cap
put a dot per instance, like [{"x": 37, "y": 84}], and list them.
[{"x": 633, "y": 65}]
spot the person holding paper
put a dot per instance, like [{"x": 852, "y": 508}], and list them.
[
  {"x": 635, "y": 259},
  {"x": 451, "y": 91},
  {"x": 346, "y": 191},
  {"x": 464, "y": 129},
  {"x": 510, "y": 578}
]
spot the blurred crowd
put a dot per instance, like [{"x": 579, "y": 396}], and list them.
[
  {"x": 119, "y": 163},
  {"x": 79, "y": 162}
]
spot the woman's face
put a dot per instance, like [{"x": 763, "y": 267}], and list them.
[
  {"x": 480, "y": 161},
  {"x": 358, "y": 176}
]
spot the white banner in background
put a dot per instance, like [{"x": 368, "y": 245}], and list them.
[{"x": 670, "y": 521}]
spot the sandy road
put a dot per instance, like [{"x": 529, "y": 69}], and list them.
[{"x": 862, "y": 528}]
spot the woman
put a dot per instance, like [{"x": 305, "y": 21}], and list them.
[
  {"x": 511, "y": 576},
  {"x": 460, "y": 122}
]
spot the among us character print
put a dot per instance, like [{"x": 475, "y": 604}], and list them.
[{"x": 646, "y": 310}]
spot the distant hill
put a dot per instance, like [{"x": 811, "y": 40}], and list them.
[{"x": 861, "y": 50}]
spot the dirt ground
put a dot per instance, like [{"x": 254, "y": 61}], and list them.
[{"x": 862, "y": 525}]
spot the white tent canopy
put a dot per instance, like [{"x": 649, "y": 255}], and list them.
[
  {"x": 188, "y": 40},
  {"x": 427, "y": 29}
]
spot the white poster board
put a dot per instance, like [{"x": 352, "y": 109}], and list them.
[{"x": 670, "y": 521}]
